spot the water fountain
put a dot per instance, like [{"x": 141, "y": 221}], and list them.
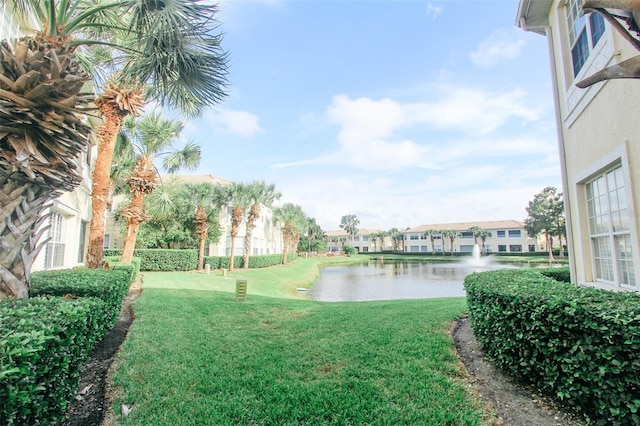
[{"x": 477, "y": 260}]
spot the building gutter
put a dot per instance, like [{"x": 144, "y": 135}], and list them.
[{"x": 546, "y": 30}]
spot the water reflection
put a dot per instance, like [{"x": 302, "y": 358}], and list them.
[{"x": 393, "y": 280}]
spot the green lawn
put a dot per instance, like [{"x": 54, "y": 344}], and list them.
[{"x": 196, "y": 356}]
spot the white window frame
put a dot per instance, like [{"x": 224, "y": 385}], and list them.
[
  {"x": 55, "y": 247},
  {"x": 605, "y": 233},
  {"x": 616, "y": 158},
  {"x": 599, "y": 57}
]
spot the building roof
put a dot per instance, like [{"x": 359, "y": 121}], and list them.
[
  {"x": 464, "y": 226},
  {"x": 211, "y": 179},
  {"x": 343, "y": 233},
  {"x": 533, "y": 15}
]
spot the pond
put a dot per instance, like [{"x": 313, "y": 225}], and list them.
[{"x": 380, "y": 280}]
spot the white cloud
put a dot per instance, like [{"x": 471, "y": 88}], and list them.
[
  {"x": 499, "y": 46},
  {"x": 240, "y": 123},
  {"x": 472, "y": 110},
  {"x": 433, "y": 11}
]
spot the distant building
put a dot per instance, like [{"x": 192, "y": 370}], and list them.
[
  {"x": 363, "y": 241},
  {"x": 507, "y": 236},
  {"x": 598, "y": 136}
]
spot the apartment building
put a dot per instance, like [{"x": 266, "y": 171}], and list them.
[
  {"x": 598, "y": 133},
  {"x": 364, "y": 241},
  {"x": 505, "y": 236}
]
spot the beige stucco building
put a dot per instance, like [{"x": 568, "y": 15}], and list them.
[
  {"x": 599, "y": 140},
  {"x": 363, "y": 241},
  {"x": 507, "y": 236}
]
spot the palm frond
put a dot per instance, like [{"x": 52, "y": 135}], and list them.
[{"x": 187, "y": 158}]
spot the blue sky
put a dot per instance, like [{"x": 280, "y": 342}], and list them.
[{"x": 400, "y": 112}]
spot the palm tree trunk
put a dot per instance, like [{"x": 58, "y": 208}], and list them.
[
  {"x": 114, "y": 107},
  {"x": 254, "y": 213},
  {"x": 134, "y": 214},
  {"x": 203, "y": 240},
  {"x": 101, "y": 186},
  {"x": 21, "y": 208},
  {"x": 142, "y": 182},
  {"x": 202, "y": 227},
  {"x": 236, "y": 219}
]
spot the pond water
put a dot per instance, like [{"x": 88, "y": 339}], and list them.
[{"x": 378, "y": 280}]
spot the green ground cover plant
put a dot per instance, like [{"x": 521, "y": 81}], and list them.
[{"x": 197, "y": 356}]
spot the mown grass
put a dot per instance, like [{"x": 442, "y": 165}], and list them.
[{"x": 196, "y": 356}]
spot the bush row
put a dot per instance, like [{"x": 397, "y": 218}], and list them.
[
  {"x": 161, "y": 259},
  {"x": 581, "y": 345},
  {"x": 108, "y": 285},
  {"x": 45, "y": 340},
  {"x": 259, "y": 261},
  {"x": 187, "y": 260},
  {"x": 559, "y": 274}
]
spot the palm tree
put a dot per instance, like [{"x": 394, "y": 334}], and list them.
[
  {"x": 431, "y": 234},
  {"x": 476, "y": 230},
  {"x": 314, "y": 232},
  {"x": 452, "y": 234},
  {"x": 168, "y": 44},
  {"x": 444, "y": 234},
  {"x": 350, "y": 224},
  {"x": 293, "y": 221},
  {"x": 148, "y": 139},
  {"x": 200, "y": 197},
  {"x": 259, "y": 193},
  {"x": 42, "y": 133},
  {"x": 374, "y": 239},
  {"x": 237, "y": 197},
  {"x": 171, "y": 46},
  {"x": 483, "y": 235}
]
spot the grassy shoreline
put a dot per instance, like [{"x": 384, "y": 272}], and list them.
[{"x": 196, "y": 356}]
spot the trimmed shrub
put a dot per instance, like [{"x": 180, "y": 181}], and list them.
[
  {"x": 258, "y": 261},
  {"x": 349, "y": 250},
  {"x": 43, "y": 343},
  {"x": 559, "y": 274},
  {"x": 114, "y": 263},
  {"x": 109, "y": 285},
  {"x": 162, "y": 259},
  {"x": 581, "y": 345}
]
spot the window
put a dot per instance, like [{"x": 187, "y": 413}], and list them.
[
  {"x": 365, "y": 238},
  {"x": 501, "y": 234},
  {"x": 415, "y": 249},
  {"x": 83, "y": 241},
  {"x": 107, "y": 241},
  {"x": 54, "y": 251},
  {"x": 502, "y": 248},
  {"x": 466, "y": 234},
  {"x": 515, "y": 248},
  {"x": 515, "y": 233},
  {"x": 414, "y": 237},
  {"x": 532, "y": 248},
  {"x": 584, "y": 34},
  {"x": 609, "y": 228},
  {"x": 365, "y": 249}
]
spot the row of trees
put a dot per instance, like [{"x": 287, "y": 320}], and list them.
[{"x": 132, "y": 52}]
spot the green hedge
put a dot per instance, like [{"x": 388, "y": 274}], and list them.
[
  {"x": 43, "y": 343},
  {"x": 109, "y": 285},
  {"x": 187, "y": 260},
  {"x": 581, "y": 345},
  {"x": 113, "y": 262},
  {"x": 162, "y": 259},
  {"x": 45, "y": 340},
  {"x": 559, "y": 274},
  {"x": 259, "y": 261}
]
